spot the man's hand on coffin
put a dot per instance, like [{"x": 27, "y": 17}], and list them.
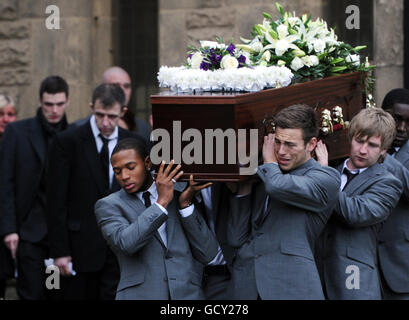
[
  {"x": 321, "y": 153},
  {"x": 165, "y": 182},
  {"x": 186, "y": 197},
  {"x": 268, "y": 149}
]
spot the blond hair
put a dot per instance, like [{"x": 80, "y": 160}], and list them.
[{"x": 373, "y": 122}]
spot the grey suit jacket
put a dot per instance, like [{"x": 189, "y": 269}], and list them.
[
  {"x": 350, "y": 238},
  {"x": 393, "y": 245},
  {"x": 275, "y": 247},
  {"x": 149, "y": 270}
]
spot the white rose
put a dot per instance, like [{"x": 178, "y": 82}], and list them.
[
  {"x": 319, "y": 45},
  {"x": 282, "y": 31},
  {"x": 354, "y": 59},
  {"x": 310, "y": 61},
  {"x": 229, "y": 62},
  {"x": 297, "y": 64},
  {"x": 196, "y": 60},
  {"x": 281, "y": 47},
  {"x": 314, "y": 60}
]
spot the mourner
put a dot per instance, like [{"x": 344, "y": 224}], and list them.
[
  {"x": 275, "y": 222},
  {"x": 159, "y": 237},
  {"x": 80, "y": 174},
  {"x": 394, "y": 236},
  {"x": 367, "y": 195},
  {"x": 23, "y": 176}
]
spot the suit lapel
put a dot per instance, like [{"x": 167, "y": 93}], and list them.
[
  {"x": 170, "y": 223},
  {"x": 139, "y": 206},
  {"x": 91, "y": 156},
  {"x": 37, "y": 140},
  {"x": 403, "y": 153},
  {"x": 361, "y": 179}
]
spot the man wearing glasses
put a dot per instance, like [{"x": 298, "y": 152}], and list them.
[{"x": 79, "y": 174}]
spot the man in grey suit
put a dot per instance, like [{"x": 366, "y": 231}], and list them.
[
  {"x": 274, "y": 224},
  {"x": 159, "y": 237},
  {"x": 393, "y": 252},
  {"x": 367, "y": 196}
]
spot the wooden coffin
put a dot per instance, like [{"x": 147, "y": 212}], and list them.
[{"x": 224, "y": 110}]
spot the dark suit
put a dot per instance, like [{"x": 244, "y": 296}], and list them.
[
  {"x": 394, "y": 236},
  {"x": 75, "y": 184},
  {"x": 22, "y": 165},
  {"x": 217, "y": 276},
  {"x": 350, "y": 237},
  {"x": 275, "y": 259}
]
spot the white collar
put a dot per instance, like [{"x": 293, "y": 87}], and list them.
[
  {"x": 96, "y": 132},
  {"x": 355, "y": 171},
  {"x": 152, "y": 190}
]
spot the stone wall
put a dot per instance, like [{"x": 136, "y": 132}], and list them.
[
  {"x": 185, "y": 22},
  {"x": 389, "y": 46},
  {"x": 29, "y": 52}
]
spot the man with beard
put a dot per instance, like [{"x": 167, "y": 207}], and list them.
[
  {"x": 160, "y": 239},
  {"x": 23, "y": 176},
  {"x": 394, "y": 237}
]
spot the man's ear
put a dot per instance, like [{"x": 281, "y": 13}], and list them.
[
  {"x": 311, "y": 144},
  {"x": 148, "y": 163},
  {"x": 123, "y": 111},
  {"x": 91, "y": 105}
]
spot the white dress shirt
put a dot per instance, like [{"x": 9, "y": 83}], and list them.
[
  {"x": 154, "y": 197},
  {"x": 113, "y": 140},
  {"x": 344, "y": 176}
]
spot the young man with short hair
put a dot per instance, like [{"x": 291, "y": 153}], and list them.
[
  {"x": 79, "y": 174},
  {"x": 274, "y": 224},
  {"x": 23, "y": 186},
  {"x": 367, "y": 195},
  {"x": 159, "y": 237}
]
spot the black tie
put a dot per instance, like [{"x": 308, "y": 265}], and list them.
[
  {"x": 349, "y": 175},
  {"x": 104, "y": 159},
  {"x": 147, "y": 198}
]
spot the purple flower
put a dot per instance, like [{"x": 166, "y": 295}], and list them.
[
  {"x": 231, "y": 48},
  {"x": 190, "y": 55},
  {"x": 205, "y": 66},
  {"x": 241, "y": 59},
  {"x": 218, "y": 57}
]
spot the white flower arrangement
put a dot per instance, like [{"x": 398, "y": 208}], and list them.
[
  {"x": 309, "y": 48},
  {"x": 183, "y": 79}
]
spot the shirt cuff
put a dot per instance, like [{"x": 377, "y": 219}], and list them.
[
  {"x": 162, "y": 208},
  {"x": 186, "y": 212}
]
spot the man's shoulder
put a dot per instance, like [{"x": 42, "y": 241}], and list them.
[
  {"x": 22, "y": 124},
  {"x": 323, "y": 171},
  {"x": 73, "y": 132},
  {"x": 384, "y": 177},
  {"x": 111, "y": 199}
]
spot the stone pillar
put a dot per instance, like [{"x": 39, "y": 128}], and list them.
[{"x": 389, "y": 46}]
